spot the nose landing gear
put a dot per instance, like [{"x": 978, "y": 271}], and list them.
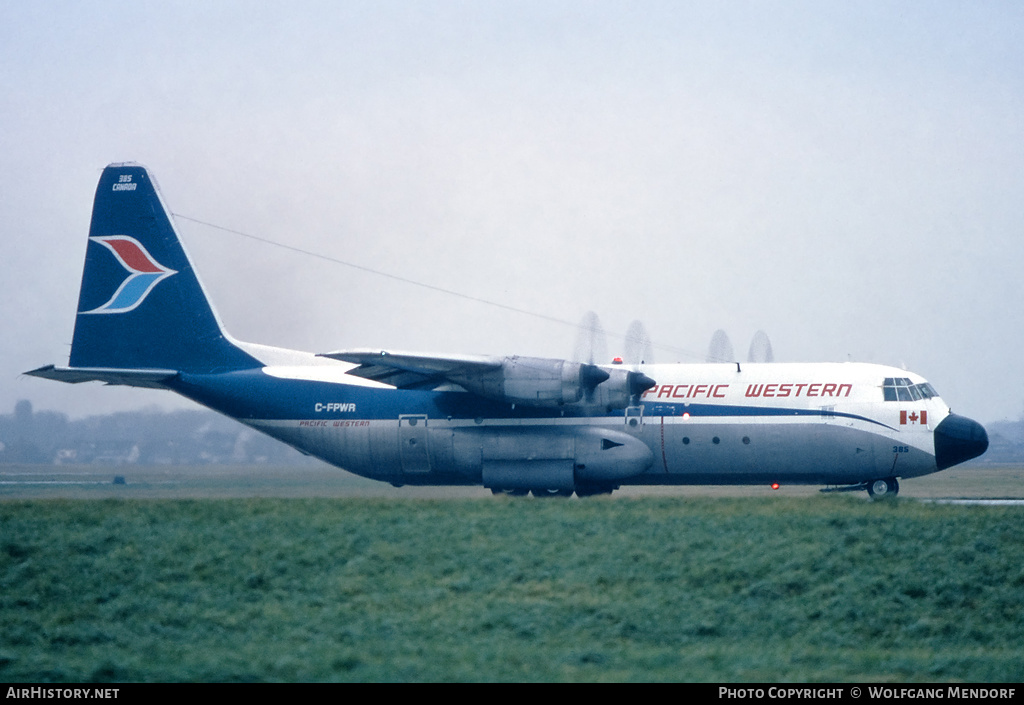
[{"x": 882, "y": 489}]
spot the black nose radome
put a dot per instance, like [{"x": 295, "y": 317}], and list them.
[{"x": 957, "y": 439}]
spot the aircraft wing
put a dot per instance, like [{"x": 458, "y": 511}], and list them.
[
  {"x": 533, "y": 381},
  {"x": 153, "y": 379},
  {"x": 405, "y": 370}
]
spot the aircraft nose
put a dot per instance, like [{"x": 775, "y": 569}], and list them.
[{"x": 957, "y": 439}]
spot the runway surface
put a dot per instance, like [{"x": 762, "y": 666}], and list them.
[{"x": 983, "y": 484}]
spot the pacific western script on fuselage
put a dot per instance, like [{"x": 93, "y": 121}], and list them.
[{"x": 719, "y": 391}]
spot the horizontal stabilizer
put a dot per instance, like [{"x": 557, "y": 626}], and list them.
[{"x": 153, "y": 379}]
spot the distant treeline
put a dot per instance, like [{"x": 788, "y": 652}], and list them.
[
  {"x": 155, "y": 437},
  {"x": 148, "y": 437}
]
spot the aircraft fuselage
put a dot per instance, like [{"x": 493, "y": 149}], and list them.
[{"x": 822, "y": 423}]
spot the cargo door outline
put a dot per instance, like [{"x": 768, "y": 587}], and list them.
[{"x": 412, "y": 441}]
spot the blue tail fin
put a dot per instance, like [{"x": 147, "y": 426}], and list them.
[{"x": 141, "y": 305}]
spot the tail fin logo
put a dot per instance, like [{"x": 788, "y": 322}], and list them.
[{"x": 144, "y": 273}]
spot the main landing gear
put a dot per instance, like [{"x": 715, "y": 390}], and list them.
[{"x": 581, "y": 491}]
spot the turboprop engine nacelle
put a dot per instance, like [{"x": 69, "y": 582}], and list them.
[
  {"x": 620, "y": 389},
  {"x": 547, "y": 382},
  {"x": 535, "y": 381}
]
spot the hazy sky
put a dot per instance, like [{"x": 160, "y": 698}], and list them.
[{"x": 848, "y": 177}]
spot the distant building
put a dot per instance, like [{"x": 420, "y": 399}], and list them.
[{"x": 150, "y": 437}]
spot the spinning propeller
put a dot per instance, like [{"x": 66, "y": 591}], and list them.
[
  {"x": 760, "y": 348},
  {"x": 639, "y": 350},
  {"x": 592, "y": 349},
  {"x": 720, "y": 349}
]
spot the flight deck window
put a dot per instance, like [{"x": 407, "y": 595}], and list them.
[{"x": 901, "y": 389}]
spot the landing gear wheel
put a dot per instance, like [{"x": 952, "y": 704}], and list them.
[
  {"x": 509, "y": 493},
  {"x": 551, "y": 493},
  {"x": 883, "y": 489}
]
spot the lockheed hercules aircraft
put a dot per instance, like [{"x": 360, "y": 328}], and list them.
[{"x": 512, "y": 424}]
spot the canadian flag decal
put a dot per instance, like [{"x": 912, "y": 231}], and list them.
[{"x": 913, "y": 417}]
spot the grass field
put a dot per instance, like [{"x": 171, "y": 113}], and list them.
[{"x": 823, "y": 587}]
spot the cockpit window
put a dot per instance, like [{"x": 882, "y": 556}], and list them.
[{"x": 901, "y": 389}]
